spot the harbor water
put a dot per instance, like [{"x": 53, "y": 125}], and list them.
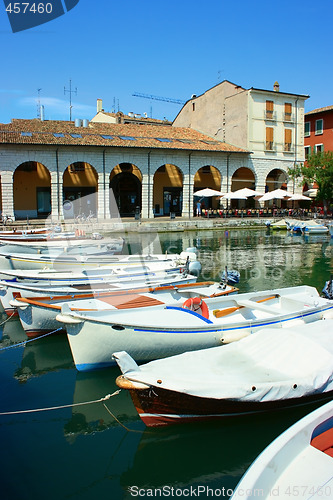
[{"x": 101, "y": 449}]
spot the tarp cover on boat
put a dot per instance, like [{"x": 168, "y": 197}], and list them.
[{"x": 271, "y": 364}]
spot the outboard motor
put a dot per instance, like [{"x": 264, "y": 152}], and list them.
[
  {"x": 194, "y": 267},
  {"x": 327, "y": 291},
  {"x": 230, "y": 277}
]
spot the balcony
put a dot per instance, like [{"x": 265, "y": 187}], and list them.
[
  {"x": 288, "y": 117},
  {"x": 270, "y": 115},
  {"x": 269, "y": 146},
  {"x": 288, "y": 148}
]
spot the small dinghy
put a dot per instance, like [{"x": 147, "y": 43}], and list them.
[
  {"x": 169, "y": 329},
  {"x": 271, "y": 370},
  {"x": 299, "y": 463}
]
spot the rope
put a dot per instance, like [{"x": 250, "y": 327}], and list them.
[
  {"x": 118, "y": 421},
  {"x": 29, "y": 340},
  {"x": 7, "y": 319},
  {"x": 108, "y": 396}
]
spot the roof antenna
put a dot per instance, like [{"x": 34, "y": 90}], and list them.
[
  {"x": 38, "y": 105},
  {"x": 70, "y": 91}
]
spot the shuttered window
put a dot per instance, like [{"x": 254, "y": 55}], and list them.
[
  {"x": 269, "y": 138},
  {"x": 269, "y": 109},
  {"x": 287, "y": 111},
  {"x": 287, "y": 139},
  {"x": 307, "y": 129},
  {"x": 319, "y": 126}
]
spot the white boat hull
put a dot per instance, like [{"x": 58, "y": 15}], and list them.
[
  {"x": 165, "y": 331},
  {"x": 290, "y": 466}
]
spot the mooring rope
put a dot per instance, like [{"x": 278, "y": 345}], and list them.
[
  {"x": 29, "y": 340},
  {"x": 7, "y": 319},
  {"x": 34, "y": 410},
  {"x": 118, "y": 421}
]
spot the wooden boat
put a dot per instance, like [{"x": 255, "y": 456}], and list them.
[
  {"x": 38, "y": 315},
  {"x": 12, "y": 233},
  {"x": 141, "y": 270},
  {"x": 89, "y": 260},
  {"x": 297, "y": 463},
  {"x": 62, "y": 242},
  {"x": 272, "y": 369},
  {"x": 9, "y": 290},
  {"x": 166, "y": 330}
]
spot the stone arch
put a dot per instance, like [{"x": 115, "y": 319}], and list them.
[
  {"x": 243, "y": 177},
  {"x": 208, "y": 176},
  {"x": 276, "y": 179},
  {"x": 168, "y": 190},
  {"x": 126, "y": 184},
  {"x": 31, "y": 190},
  {"x": 80, "y": 186}
]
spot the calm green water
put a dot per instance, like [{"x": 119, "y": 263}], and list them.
[{"x": 83, "y": 452}]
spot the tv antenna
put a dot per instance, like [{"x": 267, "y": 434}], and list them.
[
  {"x": 38, "y": 104},
  {"x": 70, "y": 91}
]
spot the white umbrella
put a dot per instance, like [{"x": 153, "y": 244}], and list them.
[
  {"x": 277, "y": 194},
  {"x": 311, "y": 192},
  {"x": 234, "y": 196},
  {"x": 248, "y": 192},
  {"x": 207, "y": 192},
  {"x": 299, "y": 197}
]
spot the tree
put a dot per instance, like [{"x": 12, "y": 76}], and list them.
[
  {"x": 295, "y": 173},
  {"x": 319, "y": 169}
]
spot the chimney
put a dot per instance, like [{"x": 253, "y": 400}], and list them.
[
  {"x": 276, "y": 87},
  {"x": 99, "y": 105}
]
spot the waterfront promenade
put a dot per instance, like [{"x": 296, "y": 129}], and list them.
[{"x": 158, "y": 224}]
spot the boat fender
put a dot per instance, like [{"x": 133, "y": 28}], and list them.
[{"x": 197, "y": 305}]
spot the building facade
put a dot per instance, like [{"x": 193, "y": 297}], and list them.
[
  {"x": 226, "y": 139},
  {"x": 267, "y": 123},
  {"x": 318, "y": 130},
  {"x": 47, "y": 165}
]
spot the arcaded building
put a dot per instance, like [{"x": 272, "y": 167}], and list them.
[{"x": 226, "y": 139}]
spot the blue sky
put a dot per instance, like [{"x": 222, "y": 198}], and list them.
[{"x": 173, "y": 49}]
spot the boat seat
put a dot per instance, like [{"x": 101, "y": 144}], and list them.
[
  {"x": 324, "y": 442},
  {"x": 260, "y": 307}
]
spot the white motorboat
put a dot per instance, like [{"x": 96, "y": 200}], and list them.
[
  {"x": 271, "y": 370},
  {"x": 90, "y": 259},
  {"x": 38, "y": 314},
  {"x": 314, "y": 229},
  {"x": 298, "y": 463},
  {"x": 163, "y": 331},
  {"x": 95, "y": 285}
]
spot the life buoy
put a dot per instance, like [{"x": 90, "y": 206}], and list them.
[{"x": 197, "y": 305}]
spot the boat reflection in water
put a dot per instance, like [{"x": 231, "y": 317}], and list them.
[
  {"x": 216, "y": 454},
  {"x": 44, "y": 355},
  {"x": 91, "y": 418}
]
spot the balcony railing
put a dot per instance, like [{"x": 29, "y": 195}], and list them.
[
  {"x": 288, "y": 117},
  {"x": 270, "y": 115},
  {"x": 269, "y": 146},
  {"x": 288, "y": 147}
]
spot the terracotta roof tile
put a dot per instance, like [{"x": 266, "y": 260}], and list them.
[
  {"x": 96, "y": 134},
  {"x": 319, "y": 110}
]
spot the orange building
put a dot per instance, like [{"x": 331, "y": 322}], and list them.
[{"x": 318, "y": 130}]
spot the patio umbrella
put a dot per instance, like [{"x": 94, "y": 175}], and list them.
[
  {"x": 207, "y": 192},
  {"x": 277, "y": 194},
  {"x": 248, "y": 192},
  {"x": 299, "y": 197},
  {"x": 233, "y": 195}
]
